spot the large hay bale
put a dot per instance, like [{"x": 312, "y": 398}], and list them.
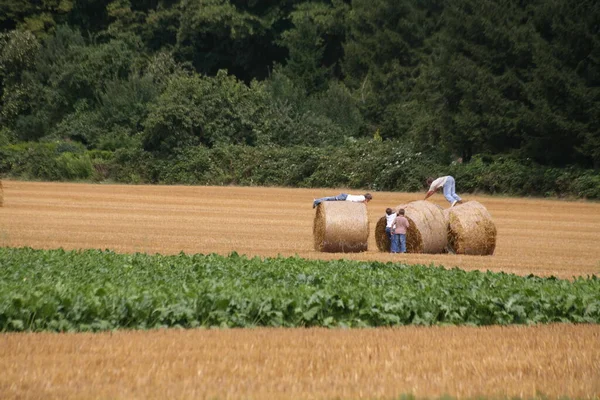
[
  {"x": 471, "y": 229},
  {"x": 427, "y": 231},
  {"x": 341, "y": 226}
]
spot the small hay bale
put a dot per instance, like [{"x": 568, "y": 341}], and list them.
[
  {"x": 471, "y": 229},
  {"x": 341, "y": 227},
  {"x": 427, "y": 231}
]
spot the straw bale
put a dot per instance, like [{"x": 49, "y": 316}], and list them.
[
  {"x": 471, "y": 229},
  {"x": 341, "y": 227},
  {"x": 427, "y": 231},
  {"x": 381, "y": 239}
]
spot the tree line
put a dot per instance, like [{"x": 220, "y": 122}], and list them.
[{"x": 455, "y": 81}]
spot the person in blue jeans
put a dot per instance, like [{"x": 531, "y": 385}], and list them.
[
  {"x": 365, "y": 198},
  {"x": 399, "y": 228},
  {"x": 390, "y": 216},
  {"x": 447, "y": 184}
]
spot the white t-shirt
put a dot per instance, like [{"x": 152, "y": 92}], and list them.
[
  {"x": 438, "y": 183},
  {"x": 356, "y": 199},
  {"x": 389, "y": 220}
]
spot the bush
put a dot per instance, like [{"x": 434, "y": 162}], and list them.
[
  {"x": 133, "y": 165},
  {"x": 46, "y": 161},
  {"x": 189, "y": 166},
  {"x": 39, "y": 162},
  {"x": 356, "y": 164},
  {"x": 74, "y": 167},
  {"x": 587, "y": 186}
]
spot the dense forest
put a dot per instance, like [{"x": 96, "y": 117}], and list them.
[{"x": 380, "y": 94}]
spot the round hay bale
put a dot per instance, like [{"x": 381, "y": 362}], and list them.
[
  {"x": 427, "y": 231},
  {"x": 381, "y": 239},
  {"x": 341, "y": 227},
  {"x": 471, "y": 229}
]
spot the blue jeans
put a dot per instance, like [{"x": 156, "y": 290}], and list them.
[
  {"x": 449, "y": 190},
  {"x": 398, "y": 243},
  {"x": 388, "y": 233},
  {"x": 339, "y": 197}
]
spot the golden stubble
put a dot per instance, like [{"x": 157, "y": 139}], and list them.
[
  {"x": 543, "y": 237},
  {"x": 550, "y": 360}
]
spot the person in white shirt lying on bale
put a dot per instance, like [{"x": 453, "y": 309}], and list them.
[
  {"x": 448, "y": 186},
  {"x": 365, "y": 198}
]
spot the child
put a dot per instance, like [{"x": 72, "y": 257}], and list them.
[
  {"x": 399, "y": 228},
  {"x": 390, "y": 216}
]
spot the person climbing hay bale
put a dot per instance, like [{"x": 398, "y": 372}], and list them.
[
  {"x": 471, "y": 229},
  {"x": 427, "y": 232},
  {"x": 341, "y": 227}
]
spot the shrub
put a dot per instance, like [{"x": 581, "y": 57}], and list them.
[
  {"x": 356, "y": 164},
  {"x": 74, "y": 167},
  {"x": 587, "y": 186}
]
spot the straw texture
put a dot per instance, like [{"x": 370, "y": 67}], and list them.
[
  {"x": 341, "y": 227},
  {"x": 471, "y": 229},
  {"x": 381, "y": 239},
  {"x": 427, "y": 231}
]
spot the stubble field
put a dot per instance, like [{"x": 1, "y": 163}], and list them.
[{"x": 541, "y": 237}]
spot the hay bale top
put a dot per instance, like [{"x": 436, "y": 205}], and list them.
[
  {"x": 341, "y": 226},
  {"x": 469, "y": 211}
]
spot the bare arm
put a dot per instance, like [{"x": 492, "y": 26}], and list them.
[{"x": 429, "y": 194}]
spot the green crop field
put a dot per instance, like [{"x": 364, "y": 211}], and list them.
[{"x": 98, "y": 290}]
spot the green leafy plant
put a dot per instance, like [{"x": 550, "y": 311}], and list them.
[{"x": 94, "y": 290}]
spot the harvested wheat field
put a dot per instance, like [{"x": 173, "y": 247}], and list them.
[
  {"x": 551, "y": 360},
  {"x": 543, "y": 237}
]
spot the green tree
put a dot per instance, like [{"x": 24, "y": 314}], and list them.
[
  {"x": 314, "y": 44},
  {"x": 482, "y": 52},
  {"x": 385, "y": 43},
  {"x": 565, "y": 87},
  {"x": 197, "y": 110},
  {"x": 18, "y": 51},
  {"x": 501, "y": 83},
  {"x": 155, "y": 22},
  {"x": 68, "y": 71},
  {"x": 237, "y": 36},
  {"x": 39, "y": 17}
]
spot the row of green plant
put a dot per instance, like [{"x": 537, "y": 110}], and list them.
[
  {"x": 94, "y": 290},
  {"x": 358, "y": 164}
]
